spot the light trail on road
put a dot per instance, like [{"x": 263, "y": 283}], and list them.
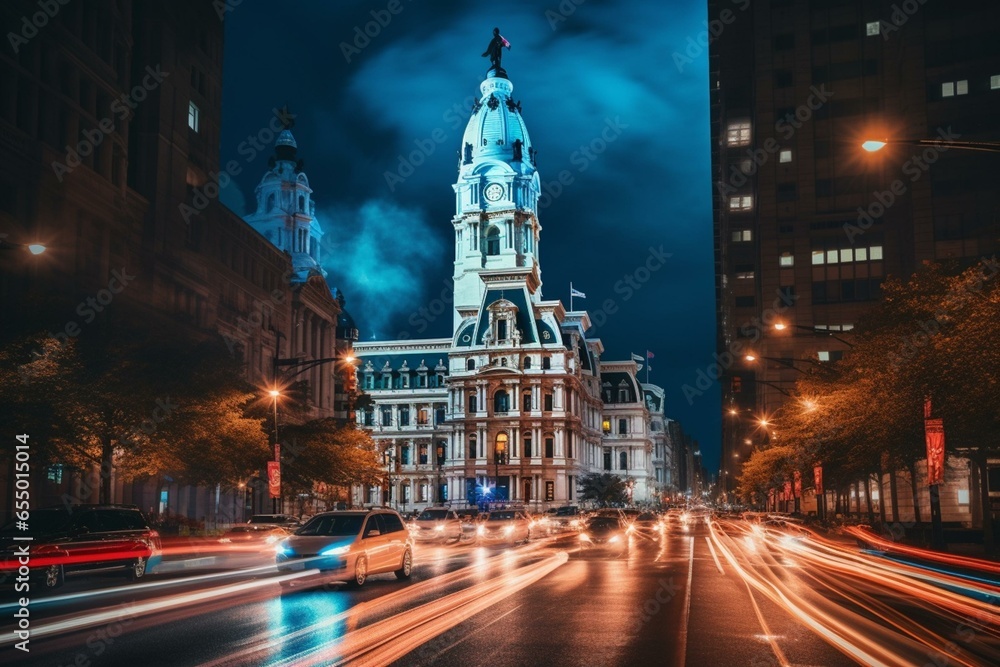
[{"x": 843, "y": 595}]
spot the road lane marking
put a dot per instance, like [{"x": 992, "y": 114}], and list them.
[
  {"x": 683, "y": 635},
  {"x": 714, "y": 557}
]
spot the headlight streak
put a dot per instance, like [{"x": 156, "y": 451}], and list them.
[
  {"x": 91, "y": 619},
  {"x": 893, "y": 636},
  {"x": 273, "y": 640},
  {"x": 335, "y": 551},
  {"x": 414, "y": 627}
]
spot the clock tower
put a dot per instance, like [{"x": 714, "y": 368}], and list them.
[{"x": 496, "y": 198}]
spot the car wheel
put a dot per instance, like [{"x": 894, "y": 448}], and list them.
[
  {"x": 53, "y": 577},
  {"x": 137, "y": 569},
  {"x": 406, "y": 567},
  {"x": 360, "y": 572}
]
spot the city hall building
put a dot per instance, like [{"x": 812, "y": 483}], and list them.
[{"x": 516, "y": 405}]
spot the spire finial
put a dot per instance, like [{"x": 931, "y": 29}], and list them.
[{"x": 495, "y": 53}]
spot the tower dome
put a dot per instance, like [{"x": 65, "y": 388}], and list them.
[{"x": 496, "y": 129}]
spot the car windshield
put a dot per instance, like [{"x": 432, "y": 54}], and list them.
[
  {"x": 433, "y": 515},
  {"x": 269, "y": 518},
  {"x": 500, "y": 516},
  {"x": 333, "y": 525},
  {"x": 42, "y": 521},
  {"x": 646, "y": 516},
  {"x": 566, "y": 511},
  {"x": 602, "y": 523}
]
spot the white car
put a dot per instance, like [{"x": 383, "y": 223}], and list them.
[
  {"x": 349, "y": 546},
  {"x": 436, "y": 524}
]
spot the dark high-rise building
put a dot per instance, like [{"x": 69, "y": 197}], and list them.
[
  {"x": 807, "y": 224},
  {"x": 110, "y": 119}
]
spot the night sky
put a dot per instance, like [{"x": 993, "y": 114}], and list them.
[{"x": 577, "y": 69}]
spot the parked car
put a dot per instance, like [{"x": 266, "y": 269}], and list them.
[
  {"x": 605, "y": 531},
  {"x": 254, "y": 533},
  {"x": 82, "y": 539},
  {"x": 470, "y": 521},
  {"x": 349, "y": 546},
  {"x": 561, "y": 519},
  {"x": 508, "y": 526},
  {"x": 437, "y": 524},
  {"x": 647, "y": 522},
  {"x": 286, "y": 520}
]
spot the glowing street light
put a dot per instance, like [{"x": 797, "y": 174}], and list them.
[
  {"x": 36, "y": 248},
  {"x": 873, "y": 145}
]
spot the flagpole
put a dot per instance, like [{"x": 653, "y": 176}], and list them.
[
  {"x": 647, "y": 366},
  {"x": 571, "y": 297}
]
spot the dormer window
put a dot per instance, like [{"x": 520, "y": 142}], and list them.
[{"x": 503, "y": 323}]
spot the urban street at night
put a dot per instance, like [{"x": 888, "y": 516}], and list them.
[{"x": 283, "y": 381}]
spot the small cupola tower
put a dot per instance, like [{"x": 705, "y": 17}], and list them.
[{"x": 286, "y": 213}]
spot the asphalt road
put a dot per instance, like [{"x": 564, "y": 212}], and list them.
[{"x": 698, "y": 593}]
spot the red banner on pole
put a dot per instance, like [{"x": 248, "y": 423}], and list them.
[
  {"x": 274, "y": 478},
  {"x": 934, "y": 432},
  {"x": 818, "y": 479},
  {"x": 788, "y": 492},
  {"x": 798, "y": 484}
]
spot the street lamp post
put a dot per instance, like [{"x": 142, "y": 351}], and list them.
[
  {"x": 298, "y": 368},
  {"x": 275, "y": 449}
]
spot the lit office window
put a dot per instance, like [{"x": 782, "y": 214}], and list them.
[
  {"x": 738, "y": 133},
  {"x": 741, "y": 203},
  {"x": 872, "y": 28},
  {"x": 194, "y": 116},
  {"x": 785, "y": 156}
]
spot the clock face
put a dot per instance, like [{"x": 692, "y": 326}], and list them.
[{"x": 493, "y": 191}]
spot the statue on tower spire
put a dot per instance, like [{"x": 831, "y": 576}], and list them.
[{"x": 495, "y": 51}]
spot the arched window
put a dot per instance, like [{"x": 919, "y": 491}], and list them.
[
  {"x": 501, "y": 401},
  {"x": 493, "y": 241},
  {"x": 270, "y": 203},
  {"x": 472, "y": 446},
  {"x": 473, "y": 404},
  {"x": 470, "y": 365},
  {"x": 527, "y": 362},
  {"x": 500, "y": 451},
  {"x": 623, "y": 460}
]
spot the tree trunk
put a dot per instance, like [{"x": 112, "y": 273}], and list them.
[
  {"x": 916, "y": 497},
  {"x": 984, "y": 496},
  {"x": 868, "y": 499},
  {"x": 894, "y": 496},
  {"x": 881, "y": 496},
  {"x": 107, "y": 463}
]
